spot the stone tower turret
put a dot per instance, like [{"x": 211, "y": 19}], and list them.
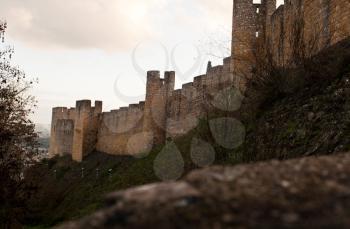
[
  {"x": 245, "y": 31},
  {"x": 64, "y": 131},
  {"x": 59, "y": 113},
  {"x": 169, "y": 78},
  {"x": 270, "y": 8},
  {"x": 157, "y": 93},
  {"x": 85, "y": 128}
]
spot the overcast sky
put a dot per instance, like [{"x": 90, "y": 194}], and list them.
[{"x": 101, "y": 49}]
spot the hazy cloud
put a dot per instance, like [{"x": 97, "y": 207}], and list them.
[
  {"x": 103, "y": 24},
  {"x": 111, "y": 25},
  {"x": 216, "y": 10}
]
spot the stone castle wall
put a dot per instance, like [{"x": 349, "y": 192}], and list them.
[
  {"x": 322, "y": 22},
  {"x": 118, "y": 127},
  {"x": 188, "y": 104},
  {"x": 168, "y": 113},
  {"x": 135, "y": 129},
  {"x": 326, "y": 22}
]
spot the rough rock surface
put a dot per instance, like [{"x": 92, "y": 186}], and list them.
[{"x": 311, "y": 192}]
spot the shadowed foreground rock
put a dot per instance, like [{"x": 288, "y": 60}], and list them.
[{"x": 304, "y": 193}]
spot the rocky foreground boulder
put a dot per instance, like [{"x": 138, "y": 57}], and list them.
[{"x": 311, "y": 192}]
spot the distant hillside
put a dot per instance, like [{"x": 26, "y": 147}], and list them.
[
  {"x": 44, "y": 143},
  {"x": 43, "y": 130}
]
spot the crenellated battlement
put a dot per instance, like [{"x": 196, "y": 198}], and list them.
[{"x": 167, "y": 112}]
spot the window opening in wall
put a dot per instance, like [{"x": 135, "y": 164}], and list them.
[
  {"x": 257, "y": 10},
  {"x": 256, "y": 34}
]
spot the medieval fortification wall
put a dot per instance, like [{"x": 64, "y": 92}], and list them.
[{"x": 171, "y": 113}]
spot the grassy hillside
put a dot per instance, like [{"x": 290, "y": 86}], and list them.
[{"x": 65, "y": 191}]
